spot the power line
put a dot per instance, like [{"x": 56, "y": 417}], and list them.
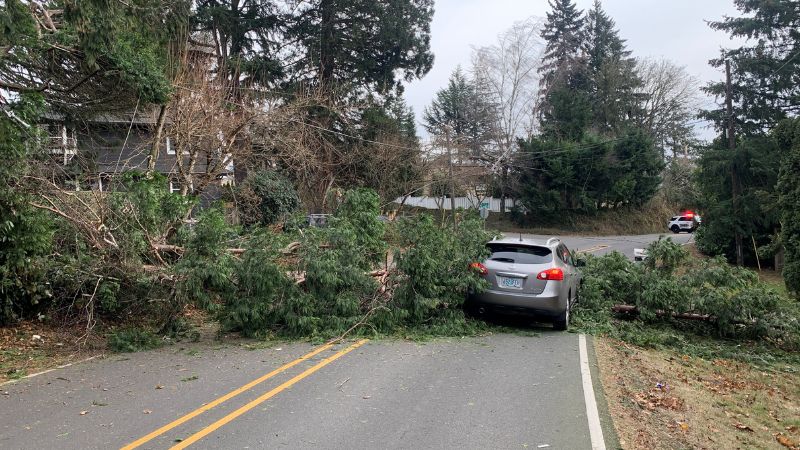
[{"x": 784, "y": 64}]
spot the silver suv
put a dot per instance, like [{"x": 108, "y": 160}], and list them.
[{"x": 530, "y": 277}]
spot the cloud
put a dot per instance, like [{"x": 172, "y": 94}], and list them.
[{"x": 673, "y": 29}]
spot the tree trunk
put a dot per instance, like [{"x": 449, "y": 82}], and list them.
[
  {"x": 327, "y": 59},
  {"x": 503, "y": 184},
  {"x": 735, "y": 186},
  {"x": 452, "y": 182},
  {"x": 154, "y": 150}
]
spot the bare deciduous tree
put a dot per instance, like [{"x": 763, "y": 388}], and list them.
[
  {"x": 311, "y": 153},
  {"x": 205, "y": 129},
  {"x": 507, "y": 73},
  {"x": 670, "y": 103}
]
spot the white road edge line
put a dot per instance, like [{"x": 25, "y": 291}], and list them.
[
  {"x": 63, "y": 366},
  {"x": 595, "y": 430}
]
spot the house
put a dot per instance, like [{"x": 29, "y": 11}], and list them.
[{"x": 88, "y": 154}]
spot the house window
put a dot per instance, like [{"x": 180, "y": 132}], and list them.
[
  {"x": 171, "y": 147},
  {"x": 175, "y": 187},
  {"x": 62, "y": 142}
]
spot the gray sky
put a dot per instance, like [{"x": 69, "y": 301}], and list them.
[{"x": 673, "y": 29}]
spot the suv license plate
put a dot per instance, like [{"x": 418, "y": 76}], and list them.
[{"x": 515, "y": 283}]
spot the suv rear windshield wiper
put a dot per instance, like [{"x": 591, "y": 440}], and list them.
[{"x": 500, "y": 259}]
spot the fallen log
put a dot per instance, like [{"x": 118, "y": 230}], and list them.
[
  {"x": 630, "y": 309},
  {"x": 180, "y": 250},
  {"x": 291, "y": 248}
]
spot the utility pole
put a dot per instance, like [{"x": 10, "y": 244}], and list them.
[{"x": 737, "y": 235}]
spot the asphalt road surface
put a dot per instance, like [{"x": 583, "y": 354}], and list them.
[
  {"x": 600, "y": 245},
  {"x": 535, "y": 389}
]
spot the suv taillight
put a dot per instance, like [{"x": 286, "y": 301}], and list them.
[
  {"x": 555, "y": 274},
  {"x": 479, "y": 268}
]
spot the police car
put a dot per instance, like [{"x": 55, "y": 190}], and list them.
[{"x": 687, "y": 221}]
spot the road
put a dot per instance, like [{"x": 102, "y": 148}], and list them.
[
  {"x": 524, "y": 390},
  {"x": 601, "y": 245}
]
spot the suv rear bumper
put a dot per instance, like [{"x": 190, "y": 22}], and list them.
[{"x": 548, "y": 306}]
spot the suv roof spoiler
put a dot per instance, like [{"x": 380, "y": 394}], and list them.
[{"x": 551, "y": 240}]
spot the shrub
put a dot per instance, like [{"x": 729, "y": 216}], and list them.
[
  {"x": 266, "y": 197},
  {"x": 132, "y": 340},
  {"x": 25, "y": 232}
]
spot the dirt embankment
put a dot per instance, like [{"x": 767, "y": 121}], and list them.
[{"x": 665, "y": 400}]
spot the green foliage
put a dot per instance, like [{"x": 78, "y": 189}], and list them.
[
  {"x": 103, "y": 54},
  {"x": 356, "y": 221},
  {"x": 382, "y": 44},
  {"x": 460, "y": 114},
  {"x": 327, "y": 287},
  {"x": 249, "y": 27},
  {"x": 587, "y": 176},
  {"x": 25, "y": 232},
  {"x": 433, "y": 266},
  {"x": 563, "y": 34},
  {"x": 257, "y": 297},
  {"x": 789, "y": 201},
  {"x": 142, "y": 207},
  {"x": 392, "y": 170},
  {"x": 109, "y": 280},
  {"x": 267, "y": 197},
  {"x": 664, "y": 257},
  {"x": 255, "y": 302},
  {"x": 764, "y": 68},
  {"x": 613, "y": 81},
  {"x": 128, "y": 340},
  {"x": 756, "y": 161},
  {"x": 739, "y": 305},
  {"x": 206, "y": 268}
]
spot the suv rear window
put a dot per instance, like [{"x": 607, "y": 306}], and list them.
[{"x": 520, "y": 254}]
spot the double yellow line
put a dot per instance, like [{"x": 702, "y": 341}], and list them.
[
  {"x": 593, "y": 248},
  {"x": 228, "y": 418}
]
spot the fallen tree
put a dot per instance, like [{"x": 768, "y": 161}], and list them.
[{"x": 670, "y": 287}]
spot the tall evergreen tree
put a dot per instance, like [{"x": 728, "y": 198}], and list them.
[
  {"x": 764, "y": 91},
  {"x": 584, "y": 176},
  {"x": 92, "y": 53},
  {"x": 246, "y": 36},
  {"x": 362, "y": 44},
  {"x": 788, "y": 133},
  {"x": 565, "y": 106},
  {"x": 460, "y": 111},
  {"x": 765, "y": 69},
  {"x": 758, "y": 161},
  {"x": 563, "y": 33},
  {"x": 612, "y": 72}
]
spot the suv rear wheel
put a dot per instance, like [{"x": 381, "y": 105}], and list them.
[
  {"x": 675, "y": 229},
  {"x": 562, "y": 322}
]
